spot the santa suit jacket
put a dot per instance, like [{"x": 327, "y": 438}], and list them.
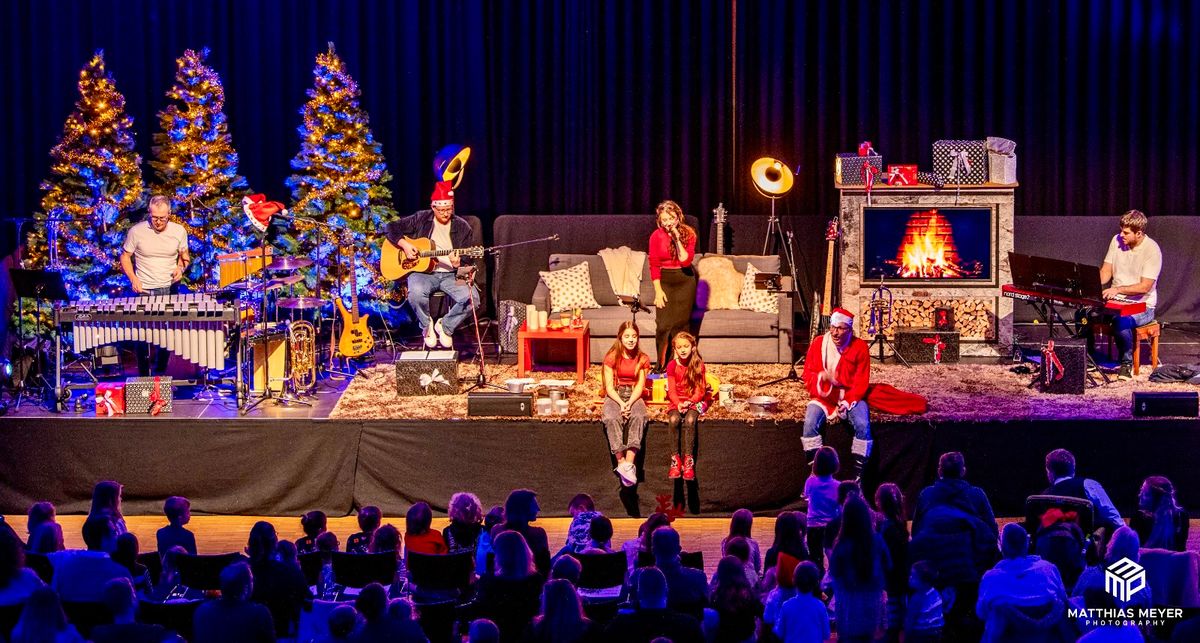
[{"x": 851, "y": 378}]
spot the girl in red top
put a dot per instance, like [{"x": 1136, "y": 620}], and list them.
[
  {"x": 672, "y": 249},
  {"x": 690, "y": 397},
  {"x": 418, "y": 535},
  {"x": 624, "y": 414}
]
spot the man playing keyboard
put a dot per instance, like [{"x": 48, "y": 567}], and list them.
[{"x": 1132, "y": 264}]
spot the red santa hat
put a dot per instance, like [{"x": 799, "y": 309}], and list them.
[
  {"x": 259, "y": 210},
  {"x": 841, "y": 317},
  {"x": 443, "y": 193}
]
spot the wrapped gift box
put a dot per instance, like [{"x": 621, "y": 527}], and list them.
[
  {"x": 140, "y": 395},
  {"x": 427, "y": 373},
  {"x": 848, "y": 168},
  {"x": 901, "y": 175},
  {"x": 110, "y": 399},
  {"x": 511, "y": 316},
  {"x": 927, "y": 346},
  {"x": 975, "y": 171}
]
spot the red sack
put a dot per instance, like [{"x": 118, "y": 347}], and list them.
[{"x": 886, "y": 398}]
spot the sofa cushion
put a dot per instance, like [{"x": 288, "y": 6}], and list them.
[
  {"x": 603, "y": 322},
  {"x": 762, "y": 301},
  {"x": 733, "y": 323},
  {"x": 764, "y": 263},
  {"x": 570, "y": 288},
  {"x": 720, "y": 284},
  {"x": 601, "y": 287}
]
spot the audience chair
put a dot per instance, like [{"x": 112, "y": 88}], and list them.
[
  {"x": 153, "y": 563},
  {"x": 360, "y": 570},
  {"x": 1173, "y": 577},
  {"x": 1149, "y": 332},
  {"x": 440, "y": 574},
  {"x": 204, "y": 571},
  {"x": 40, "y": 565},
  {"x": 86, "y": 615},
  {"x": 175, "y": 616},
  {"x": 9, "y": 615},
  {"x": 692, "y": 559},
  {"x": 311, "y": 564},
  {"x": 601, "y": 571},
  {"x": 1036, "y": 506}
]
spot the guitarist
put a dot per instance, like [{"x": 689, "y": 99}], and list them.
[{"x": 447, "y": 231}]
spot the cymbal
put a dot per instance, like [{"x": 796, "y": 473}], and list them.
[
  {"x": 300, "y": 303},
  {"x": 289, "y": 280},
  {"x": 256, "y": 285},
  {"x": 289, "y": 263}
]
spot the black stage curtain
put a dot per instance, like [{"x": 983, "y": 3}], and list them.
[{"x": 610, "y": 107}]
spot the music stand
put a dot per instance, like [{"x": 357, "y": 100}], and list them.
[{"x": 38, "y": 285}]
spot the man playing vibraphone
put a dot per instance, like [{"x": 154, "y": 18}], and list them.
[{"x": 154, "y": 258}]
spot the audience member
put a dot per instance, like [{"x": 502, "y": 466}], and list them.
[
  {"x": 286, "y": 552},
  {"x": 482, "y": 630},
  {"x": 126, "y": 555},
  {"x": 804, "y": 618},
  {"x": 845, "y": 489},
  {"x": 510, "y": 596},
  {"x": 652, "y": 618},
  {"x": 1115, "y": 630},
  {"x": 17, "y": 582},
  {"x": 742, "y": 524},
  {"x": 739, "y": 548},
  {"x": 313, "y": 523},
  {"x": 369, "y": 518},
  {"x": 45, "y": 534},
  {"x": 925, "y": 616},
  {"x": 1160, "y": 522},
  {"x": 419, "y": 537},
  {"x": 466, "y": 523},
  {"x": 1060, "y": 471},
  {"x": 1019, "y": 580},
  {"x": 277, "y": 585},
  {"x": 122, "y": 603},
  {"x": 327, "y": 543},
  {"x": 378, "y": 626},
  {"x": 858, "y": 564},
  {"x": 1123, "y": 544},
  {"x": 582, "y": 509},
  {"x": 80, "y": 575},
  {"x": 788, "y": 549},
  {"x": 106, "y": 503},
  {"x": 386, "y": 538},
  {"x": 168, "y": 577},
  {"x": 737, "y": 606},
  {"x": 821, "y": 489},
  {"x": 952, "y": 489},
  {"x": 641, "y": 546},
  {"x": 179, "y": 512},
  {"x": 341, "y": 623},
  {"x": 43, "y": 620},
  {"x": 233, "y": 618},
  {"x": 600, "y": 533},
  {"x": 566, "y": 567},
  {"x": 494, "y": 517},
  {"x": 520, "y": 509},
  {"x": 562, "y": 618},
  {"x": 403, "y": 615},
  {"x": 687, "y": 589},
  {"x": 893, "y": 528}
]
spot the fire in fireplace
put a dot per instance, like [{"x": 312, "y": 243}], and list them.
[{"x": 928, "y": 243}]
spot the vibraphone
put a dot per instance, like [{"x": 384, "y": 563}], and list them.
[{"x": 192, "y": 326}]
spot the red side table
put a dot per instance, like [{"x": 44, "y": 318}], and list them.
[{"x": 582, "y": 338}]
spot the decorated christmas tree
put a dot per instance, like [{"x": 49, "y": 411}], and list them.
[
  {"x": 95, "y": 176},
  {"x": 196, "y": 166},
  {"x": 340, "y": 173}
]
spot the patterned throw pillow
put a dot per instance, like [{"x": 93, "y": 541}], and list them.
[
  {"x": 760, "y": 301},
  {"x": 570, "y": 288}
]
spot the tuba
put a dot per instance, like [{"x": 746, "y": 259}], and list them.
[{"x": 302, "y": 356}]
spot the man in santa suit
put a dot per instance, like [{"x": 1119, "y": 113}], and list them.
[{"x": 837, "y": 372}]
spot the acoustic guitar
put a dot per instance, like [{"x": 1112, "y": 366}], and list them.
[
  {"x": 719, "y": 214},
  {"x": 393, "y": 264},
  {"x": 356, "y": 339},
  {"x": 823, "y": 305}
]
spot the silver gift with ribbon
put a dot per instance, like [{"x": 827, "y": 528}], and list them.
[{"x": 1002, "y": 160}]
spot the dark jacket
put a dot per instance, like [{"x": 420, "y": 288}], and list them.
[
  {"x": 420, "y": 224},
  {"x": 645, "y": 625},
  {"x": 956, "y": 493}
]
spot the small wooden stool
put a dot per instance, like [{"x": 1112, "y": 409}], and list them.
[{"x": 1151, "y": 332}]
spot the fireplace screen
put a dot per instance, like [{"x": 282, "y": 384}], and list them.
[{"x": 928, "y": 244}]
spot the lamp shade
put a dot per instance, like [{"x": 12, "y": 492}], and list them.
[
  {"x": 450, "y": 162},
  {"x": 771, "y": 177}
]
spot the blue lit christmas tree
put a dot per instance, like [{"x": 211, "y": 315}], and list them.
[
  {"x": 340, "y": 174},
  {"x": 94, "y": 177},
  {"x": 196, "y": 166}
]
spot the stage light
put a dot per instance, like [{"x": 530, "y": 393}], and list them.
[
  {"x": 450, "y": 162},
  {"x": 772, "y": 177}
]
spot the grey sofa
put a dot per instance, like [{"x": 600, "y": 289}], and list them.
[{"x": 726, "y": 336}]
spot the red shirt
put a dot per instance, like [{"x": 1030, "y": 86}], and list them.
[
  {"x": 430, "y": 542},
  {"x": 625, "y": 370},
  {"x": 660, "y": 252},
  {"x": 678, "y": 389}
]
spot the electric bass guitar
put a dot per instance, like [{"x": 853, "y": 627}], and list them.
[
  {"x": 356, "y": 339},
  {"x": 393, "y": 264},
  {"x": 823, "y": 305}
]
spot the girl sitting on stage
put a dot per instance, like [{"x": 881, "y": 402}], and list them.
[
  {"x": 624, "y": 414},
  {"x": 690, "y": 397}
]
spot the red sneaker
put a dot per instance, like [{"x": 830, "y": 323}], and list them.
[
  {"x": 689, "y": 468},
  {"x": 673, "y": 472}
]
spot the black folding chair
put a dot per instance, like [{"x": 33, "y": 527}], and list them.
[
  {"x": 86, "y": 615},
  {"x": 41, "y": 566},
  {"x": 176, "y": 616},
  {"x": 601, "y": 571},
  {"x": 203, "y": 572},
  {"x": 360, "y": 570},
  {"x": 1037, "y": 506},
  {"x": 311, "y": 564},
  {"x": 441, "y": 573},
  {"x": 153, "y": 563},
  {"x": 692, "y": 559}
]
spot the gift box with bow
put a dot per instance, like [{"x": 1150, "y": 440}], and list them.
[
  {"x": 148, "y": 395},
  {"x": 901, "y": 175},
  {"x": 427, "y": 373},
  {"x": 110, "y": 399},
  {"x": 858, "y": 168},
  {"x": 1002, "y": 160},
  {"x": 961, "y": 162}
]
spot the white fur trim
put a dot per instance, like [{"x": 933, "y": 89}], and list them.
[
  {"x": 861, "y": 447},
  {"x": 812, "y": 444},
  {"x": 840, "y": 319}
]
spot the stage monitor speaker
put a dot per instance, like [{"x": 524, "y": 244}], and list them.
[
  {"x": 488, "y": 403},
  {"x": 1166, "y": 404}
]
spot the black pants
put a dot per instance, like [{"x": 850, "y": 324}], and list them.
[
  {"x": 679, "y": 284},
  {"x": 683, "y": 431}
]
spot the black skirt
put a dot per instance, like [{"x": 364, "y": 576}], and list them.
[{"x": 679, "y": 284}]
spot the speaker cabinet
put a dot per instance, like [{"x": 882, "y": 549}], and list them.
[{"x": 1166, "y": 404}]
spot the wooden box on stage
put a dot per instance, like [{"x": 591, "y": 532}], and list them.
[
  {"x": 139, "y": 391},
  {"x": 927, "y": 346},
  {"x": 269, "y": 355},
  {"x": 427, "y": 373}
]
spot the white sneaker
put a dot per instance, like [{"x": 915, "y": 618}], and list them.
[
  {"x": 431, "y": 338},
  {"x": 445, "y": 339},
  {"x": 627, "y": 473}
]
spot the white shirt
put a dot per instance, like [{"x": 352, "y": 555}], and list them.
[
  {"x": 442, "y": 241},
  {"x": 155, "y": 254},
  {"x": 1131, "y": 265}
]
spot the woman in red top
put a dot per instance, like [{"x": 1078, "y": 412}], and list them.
[
  {"x": 690, "y": 397},
  {"x": 624, "y": 414},
  {"x": 418, "y": 534},
  {"x": 672, "y": 248}
]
